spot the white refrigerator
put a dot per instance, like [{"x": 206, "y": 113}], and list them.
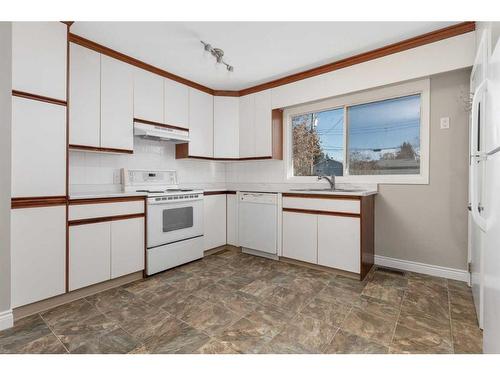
[{"x": 484, "y": 192}]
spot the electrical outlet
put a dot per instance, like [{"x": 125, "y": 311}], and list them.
[
  {"x": 117, "y": 178},
  {"x": 445, "y": 122}
]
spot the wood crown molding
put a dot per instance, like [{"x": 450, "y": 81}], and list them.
[
  {"x": 33, "y": 202},
  {"x": 319, "y": 212},
  {"x": 431, "y": 37},
  {"x": 40, "y": 98}
]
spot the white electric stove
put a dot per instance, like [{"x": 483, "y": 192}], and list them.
[{"x": 174, "y": 218}]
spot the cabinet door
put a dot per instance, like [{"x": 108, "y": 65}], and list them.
[
  {"x": 300, "y": 238},
  {"x": 232, "y": 219},
  {"x": 176, "y": 104},
  {"x": 39, "y": 58},
  {"x": 339, "y": 242},
  {"x": 38, "y": 148},
  {"x": 214, "y": 210},
  {"x": 201, "y": 123},
  {"x": 148, "y": 96},
  {"x": 263, "y": 126},
  {"x": 89, "y": 254},
  {"x": 127, "y": 246},
  {"x": 247, "y": 126},
  {"x": 117, "y": 103},
  {"x": 38, "y": 251},
  {"x": 226, "y": 133},
  {"x": 84, "y": 96}
]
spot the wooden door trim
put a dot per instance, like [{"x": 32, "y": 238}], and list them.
[
  {"x": 103, "y": 219},
  {"x": 40, "y": 98},
  {"x": 161, "y": 125},
  {"x": 319, "y": 212},
  {"x": 33, "y": 202}
]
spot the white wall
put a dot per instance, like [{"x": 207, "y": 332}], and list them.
[
  {"x": 97, "y": 172},
  {"x": 5, "y": 169}
]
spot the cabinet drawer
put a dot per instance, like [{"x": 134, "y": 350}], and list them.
[
  {"x": 95, "y": 210},
  {"x": 323, "y": 204}
]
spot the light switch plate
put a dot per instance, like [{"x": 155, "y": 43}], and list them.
[{"x": 445, "y": 123}]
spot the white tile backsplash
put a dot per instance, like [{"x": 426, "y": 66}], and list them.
[{"x": 90, "y": 172}]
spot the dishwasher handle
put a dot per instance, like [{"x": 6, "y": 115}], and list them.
[{"x": 259, "y": 198}]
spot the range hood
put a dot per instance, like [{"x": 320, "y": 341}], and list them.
[{"x": 161, "y": 132}]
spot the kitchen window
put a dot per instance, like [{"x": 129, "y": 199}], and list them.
[{"x": 378, "y": 136}]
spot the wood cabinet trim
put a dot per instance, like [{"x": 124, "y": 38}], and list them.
[
  {"x": 104, "y": 219},
  {"x": 153, "y": 123},
  {"x": 40, "y": 98},
  {"x": 84, "y": 201},
  {"x": 100, "y": 149},
  {"x": 32, "y": 202},
  {"x": 319, "y": 212}
]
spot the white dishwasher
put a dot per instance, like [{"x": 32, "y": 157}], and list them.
[{"x": 258, "y": 222}]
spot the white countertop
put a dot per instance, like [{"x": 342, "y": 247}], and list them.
[
  {"x": 105, "y": 194},
  {"x": 284, "y": 189}
]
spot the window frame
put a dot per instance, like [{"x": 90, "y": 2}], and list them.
[{"x": 421, "y": 87}]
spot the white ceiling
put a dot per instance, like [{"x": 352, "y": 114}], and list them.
[{"x": 259, "y": 51}]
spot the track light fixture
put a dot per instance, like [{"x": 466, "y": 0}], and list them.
[{"x": 218, "y": 54}]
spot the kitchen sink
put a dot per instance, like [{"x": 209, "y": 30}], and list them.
[{"x": 330, "y": 190}]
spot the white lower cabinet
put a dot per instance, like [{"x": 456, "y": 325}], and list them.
[
  {"x": 339, "y": 242},
  {"x": 127, "y": 246},
  {"x": 89, "y": 254},
  {"x": 300, "y": 236},
  {"x": 232, "y": 219},
  {"x": 214, "y": 211},
  {"x": 38, "y": 243},
  {"x": 103, "y": 251}
]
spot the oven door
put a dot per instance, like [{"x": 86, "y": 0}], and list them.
[{"x": 171, "y": 222}]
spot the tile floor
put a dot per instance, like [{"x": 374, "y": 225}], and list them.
[{"x": 236, "y": 303}]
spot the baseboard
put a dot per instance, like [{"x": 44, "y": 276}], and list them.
[
  {"x": 6, "y": 319},
  {"x": 427, "y": 269}
]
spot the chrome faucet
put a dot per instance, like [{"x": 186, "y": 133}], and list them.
[{"x": 331, "y": 180}]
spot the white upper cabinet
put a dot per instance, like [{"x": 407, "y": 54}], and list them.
[
  {"x": 226, "y": 128},
  {"x": 148, "y": 96},
  {"x": 38, "y": 148},
  {"x": 84, "y": 96},
  {"x": 201, "y": 123},
  {"x": 39, "y": 58},
  {"x": 176, "y": 104},
  {"x": 263, "y": 124},
  {"x": 117, "y": 103},
  {"x": 247, "y": 125},
  {"x": 256, "y": 125}
]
